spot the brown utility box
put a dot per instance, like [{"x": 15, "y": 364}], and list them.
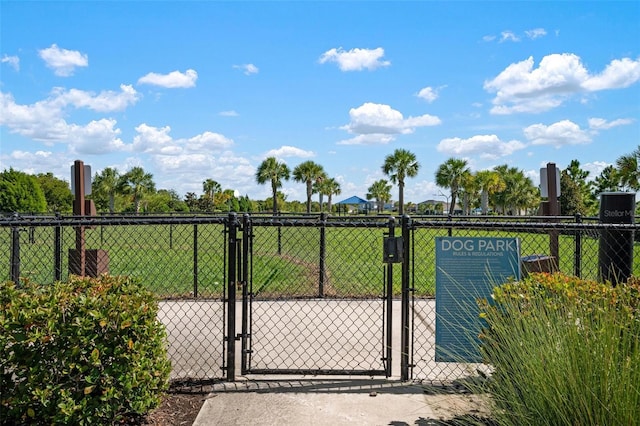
[{"x": 96, "y": 262}]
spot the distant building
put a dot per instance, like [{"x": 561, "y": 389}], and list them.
[{"x": 356, "y": 204}]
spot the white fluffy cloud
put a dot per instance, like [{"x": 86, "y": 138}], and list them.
[
  {"x": 429, "y": 94},
  {"x": 158, "y": 141},
  {"x": 370, "y": 139},
  {"x": 247, "y": 69},
  {"x": 63, "y": 62},
  {"x": 371, "y": 118},
  {"x": 105, "y": 101},
  {"x": 485, "y": 146},
  {"x": 45, "y": 120},
  {"x": 602, "y": 124},
  {"x": 173, "y": 80},
  {"x": 97, "y": 137},
  {"x": 13, "y": 61},
  {"x": 355, "y": 59},
  {"x": 523, "y": 88},
  {"x": 558, "y": 134},
  {"x": 289, "y": 151}
]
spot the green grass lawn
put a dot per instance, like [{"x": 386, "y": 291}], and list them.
[{"x": 164, "y": 259}]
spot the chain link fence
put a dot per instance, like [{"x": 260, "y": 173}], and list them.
[
  {"x": 181, "y": 260},
  {"x": 315, "y": 294},
  {"x": 317, "y": 286}
]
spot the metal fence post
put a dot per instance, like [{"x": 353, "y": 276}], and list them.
[
  {"x": 15, "y": 255},
  {"x": 389, "y": 297},
  {"x": 577, "y": 260},
  {"x": 231, "y": 297},
  {"x": 246, "y": 236},
  {"x": 404, "y": 336},
  {"x": 323, "y": 254},
  {"x": 57, "y": 250},
  {"x": 195, "y": 260}
]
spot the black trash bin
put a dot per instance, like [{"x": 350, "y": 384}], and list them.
[{"x": 615, "y": 251}]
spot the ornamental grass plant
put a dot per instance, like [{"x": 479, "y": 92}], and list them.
[{"x": 565, "y": 351}]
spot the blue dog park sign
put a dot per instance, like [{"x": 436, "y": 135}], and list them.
[{"x": 467, "y": 269}]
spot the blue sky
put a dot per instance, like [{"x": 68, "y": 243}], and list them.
[{"x": 198, "y": 90}]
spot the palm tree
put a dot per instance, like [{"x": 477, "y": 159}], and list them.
[
  {"x": 629, "y": 170},
  {"x": 137, "y": 183},
  {"x": 270, "y": 170},
  {"x": 328, "y": 187},
  {"x": 210, "y": 187},
  {"x": 450, "y": 174},
  {"x": 106, "y": 184},
  {"x": 308, "y": 172},
  {"x": 317, "y": 188},
  {"x": 468, "y": 191},
  {"x": 380, "y": 190},
  {"x": 519, "y": 193},
  {"x": 489, "y": 182},
  {"x": 398, "y": 166}
]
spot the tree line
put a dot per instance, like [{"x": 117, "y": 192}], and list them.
[{"x": 501, "y": 190}]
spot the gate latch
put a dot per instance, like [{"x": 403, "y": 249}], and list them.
[{"x": 393, "y": 250}]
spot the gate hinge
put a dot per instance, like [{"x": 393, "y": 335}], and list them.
[{"x": 239, "y": 336}]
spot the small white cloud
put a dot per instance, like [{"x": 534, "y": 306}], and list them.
[
  {"x": 28, "y": 156},
  {"x": 429, "y": 94},
  {"x": 508, "y": 36},
  {"x": 536, "y": 33},
  {"x": 371, "y": 118},
  {"x": 13, "y": 61},
  {"x": 602, "y": 124},
  {"x": 230, "y": 113},
  {"x": 368, "y": 139},
  {"x": 173, "y": 80},
  {"x": 247, "y": 69},
  {"x": 208, "y": 141},
  {"x": 104, "y": 101},
  {"x": 484, "y": 146},
  {"x": 488, "y": 38},
  {"x": 286, "y": 151},
  {"x": 558, "y": 134},
  {"x": 63, "y": 62},
  {"x": 355, "y": 59}
]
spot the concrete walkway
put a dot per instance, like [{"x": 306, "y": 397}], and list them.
[{"x": 338, "y": 401}]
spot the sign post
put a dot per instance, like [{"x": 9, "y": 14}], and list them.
[
  {"x": 78, "y": 210},
  {"x": 83, "y": 261}
]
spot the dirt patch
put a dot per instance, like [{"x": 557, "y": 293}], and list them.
[{"x": 175, "y": 410}]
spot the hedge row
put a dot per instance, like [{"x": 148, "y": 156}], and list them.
[{"x": 86, "y": 351}]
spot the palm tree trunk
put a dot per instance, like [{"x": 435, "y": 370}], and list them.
[
  {"x": 274, "y": 190},
  {"x": 484, "y": 202}
]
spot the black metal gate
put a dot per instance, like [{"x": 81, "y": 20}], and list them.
[{"x": 304, "y": 309}]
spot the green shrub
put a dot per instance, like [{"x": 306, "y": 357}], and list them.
[
  {"x": 88, "y": 351},
  {"x": 565, "y": 351}
]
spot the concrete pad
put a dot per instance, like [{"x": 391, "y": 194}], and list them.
[{"x": 333, "y": 402}]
